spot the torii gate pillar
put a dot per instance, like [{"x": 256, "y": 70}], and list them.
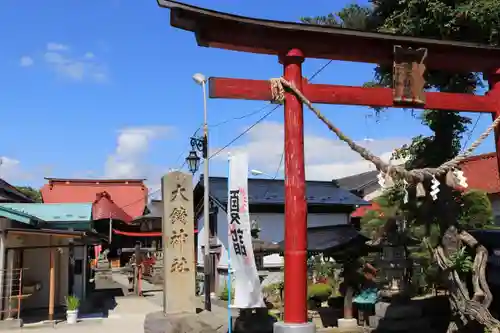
[
  {"x": 494, "y": 92},
  {"x": 295, "y": 203}
]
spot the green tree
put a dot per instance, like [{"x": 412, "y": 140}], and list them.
[
  {"x": 466, "y": 20},
  {"x": 476, "y": 211},
  {"x": 30, "y": 192}
]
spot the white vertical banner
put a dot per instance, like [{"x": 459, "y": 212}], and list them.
[{"x": 247, "y": 290}]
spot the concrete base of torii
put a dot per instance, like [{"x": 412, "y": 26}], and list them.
[{"x": 281, "y": 327}]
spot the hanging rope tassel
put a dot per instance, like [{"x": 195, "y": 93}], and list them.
[{"x": 420, "y": 190}]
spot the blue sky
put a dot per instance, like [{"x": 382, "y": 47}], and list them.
[{"x": 104, "y": 89}]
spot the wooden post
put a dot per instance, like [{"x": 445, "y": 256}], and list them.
[
  {"x": 52, "y": 280},
  {"x": 3, "y": 255},
  {"x": 295, "y": 196},
  {"x": 137, "y": 253},
  {"x": 20, "y": 293}
]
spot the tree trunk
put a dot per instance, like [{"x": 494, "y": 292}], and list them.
[{"x": 468, "y": 314}]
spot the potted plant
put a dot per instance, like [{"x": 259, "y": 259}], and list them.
[{"x": 72, "y": 304}]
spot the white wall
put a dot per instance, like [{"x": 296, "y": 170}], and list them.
[
  {"x": 36, "y": 265},
  {"x": 272, "y": 230}
]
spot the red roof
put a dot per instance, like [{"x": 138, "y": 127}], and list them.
[
  {"x": 129, "y": 194},
  {"x": 481, "y": 172},
  {"x": 105, "y": 208},
  {"x": 362, "y": 210}
]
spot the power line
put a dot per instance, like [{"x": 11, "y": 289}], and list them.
[
  {"x": 319, "y": 70},
  {"x": 242, "y": 133},
  {"x": 279, "y": 165},
  {"x": 240, "y": 117},
  {"x": 217, "y": 152},
  {"x": 183, "y": 152},
  {"x": 469, "y": 136},
  {"x": 267, "y": 114},
  {"x": 158, "y": 190},
  {"x": 221, "y": 149},
  {"x": 220, "y": 124},
  {"x": 283, "y": 152},
  {"x": 276, "y": 173}
]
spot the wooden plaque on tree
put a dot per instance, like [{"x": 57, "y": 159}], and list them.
[{"x": 408, "y": 75}]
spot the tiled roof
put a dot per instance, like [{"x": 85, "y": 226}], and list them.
[
  {"x": 11, "y": 193},
  {"x": 105, "y": 208},
  {"x": 155, "y": 208},
  {"x": 269, "y": 191},
  {"x": 482, "y": 172},
  {"x": 18, "y": 216},
  {"x": 128, "y": 194},
  {"x": 329, "y": 238},
  {"x": 53, "y": 212},
  {"x": 359, "y": 181}
]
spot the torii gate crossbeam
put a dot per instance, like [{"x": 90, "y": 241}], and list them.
[{"x": 292, "y": 43}]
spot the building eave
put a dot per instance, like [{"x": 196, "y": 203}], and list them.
[{"x": 94, "y": 181}]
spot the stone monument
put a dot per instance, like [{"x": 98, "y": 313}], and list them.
[
  {"x": 178, "y": 244},
  {"x": 180, "y": 303}
]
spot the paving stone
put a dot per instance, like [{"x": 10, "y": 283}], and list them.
[{"x": 204, "y": 322}]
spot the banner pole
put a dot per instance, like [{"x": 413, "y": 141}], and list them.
[{"x": 229, "y": 287}]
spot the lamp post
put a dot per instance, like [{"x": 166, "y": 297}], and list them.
[
  {"x": 256, "y": 172},
  {"x": 201, "y": 145}
]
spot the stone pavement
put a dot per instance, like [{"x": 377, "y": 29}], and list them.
[{"x": 128, "y": 316}]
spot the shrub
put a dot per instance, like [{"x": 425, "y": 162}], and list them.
[
  {"x": 319, "y": 292},
  {"x": 273, "y": 289},
  {"x": 224, "y": 294}
]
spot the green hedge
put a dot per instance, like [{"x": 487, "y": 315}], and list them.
[{"x": 319, "y": 292}]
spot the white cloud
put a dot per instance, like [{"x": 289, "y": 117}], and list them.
[
  {"x": 11, "y": 171},
  {"x": 9, "y": 168},
  {"x": 326, "y": 158},
  {"x": 132, "y": 145},
  {"x": 57, "y": 47},
  {"x": 26, "y": 61},
  {"x": 85, "y": 67}
]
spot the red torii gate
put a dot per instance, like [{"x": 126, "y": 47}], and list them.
[{"x": 292, "y": 43}]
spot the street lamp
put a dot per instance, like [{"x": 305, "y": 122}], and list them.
[
  {"x": 193, "y": 161},
  {"x": 199, "y": 78},
  {"x": 202, "y": 146},
  {"x": 255, "y": 172}
]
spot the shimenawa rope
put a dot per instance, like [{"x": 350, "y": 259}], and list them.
[{"x": 278, "y": 86}]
